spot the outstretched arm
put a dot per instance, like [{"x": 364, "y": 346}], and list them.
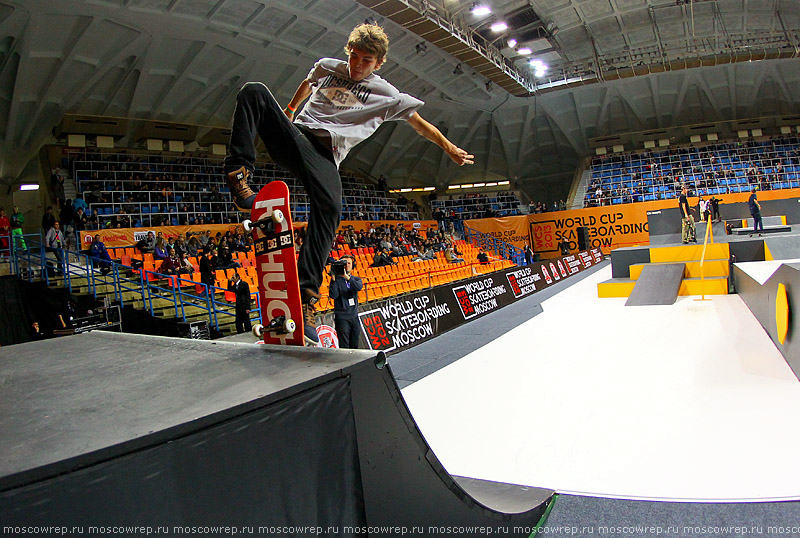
[
  {"x": 458, "y": 155},
  {"x": 302, "y": 93}
]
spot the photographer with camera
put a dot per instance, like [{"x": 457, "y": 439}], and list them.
[{"x": 344, "y": 292}]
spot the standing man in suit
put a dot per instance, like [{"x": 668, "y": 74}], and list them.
[{"x": 242, "y": 290}]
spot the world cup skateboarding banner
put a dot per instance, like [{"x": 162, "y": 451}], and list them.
[{"x": 402, "y": 322}]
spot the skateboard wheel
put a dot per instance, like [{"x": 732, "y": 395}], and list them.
[
  {"x": 290, "y": 326},
  {"x": 277, "y": 215},
  {"x": 246, "y": 223},
  {"x": 258, "y": 330}
]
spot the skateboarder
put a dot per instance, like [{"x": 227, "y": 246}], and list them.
[
  {"x": 755, "y": 212},
  {"x": 348, "y": 102},
  {"x": 688, "y": 232}
]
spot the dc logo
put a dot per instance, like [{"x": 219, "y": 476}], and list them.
[{"x": 327, "y": 336}]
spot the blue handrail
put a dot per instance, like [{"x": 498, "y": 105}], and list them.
[
  {"x": 507, "y": 251},
  {"x": 146, "y": 285}
]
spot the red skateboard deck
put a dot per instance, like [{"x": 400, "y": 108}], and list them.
[{"x": 276, "y": 265}]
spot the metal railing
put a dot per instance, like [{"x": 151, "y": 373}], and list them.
[
  {"x": 504, "y": 250},
  {"x": 127, "y": 285}
]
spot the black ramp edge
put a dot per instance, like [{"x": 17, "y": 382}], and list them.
[
  {"x": 623, "y": 258},
  {"x": 658, "y": 284},
  {"x": 113, "y": 429},
  {"x": 406, "y": 486},
  {"x": 508, "y": 498}
]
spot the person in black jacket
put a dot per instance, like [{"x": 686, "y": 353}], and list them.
[
  {"x": 344, "y": 292},
  {"x": 755, "y": 211},
  {"x": 207, "y": 263},
  {"x": 242, "y": 290},
  {"x": 382, "y": 258}
]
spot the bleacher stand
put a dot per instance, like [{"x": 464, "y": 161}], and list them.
[
  {"x": 130, "y": 189},
  {"x": 477, "y": 205},
  {"x": 709, "y": 170}
]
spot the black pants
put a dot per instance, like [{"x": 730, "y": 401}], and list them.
[
  {"x": 348, "y": 331},
  {"x": 242, "y": 320},
  {"x": 757, "y": 223},
  {"x": 59, "y": 256},
  {"x": 305, "y": 157}
]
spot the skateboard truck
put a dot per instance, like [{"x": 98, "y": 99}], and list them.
[
  {"x": 266, "y": 223},
  {"x": 279, "y": 325}
]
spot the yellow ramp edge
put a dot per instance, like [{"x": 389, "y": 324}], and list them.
[
  {"x": 685, "y": 253},
  {"x": 709, "y": 286},
  {"x": 616, "y": 287},
  {"x": 711, "y": 268}
]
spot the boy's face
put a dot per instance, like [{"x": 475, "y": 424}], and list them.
[{"x": 361, "y": 63}]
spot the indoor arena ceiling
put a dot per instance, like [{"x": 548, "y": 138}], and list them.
[{"x": 613, "y": 66}]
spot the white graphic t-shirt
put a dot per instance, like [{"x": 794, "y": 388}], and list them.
[{"x": 350, "y": 111}]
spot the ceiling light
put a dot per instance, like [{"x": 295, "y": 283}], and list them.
[
  {"x": 480, "y": 10},
  {"x": 524, "y": 51},
  {"x": 422, "y": 48},
  {"x": 488, "y": 85},
  {"x": 426, "y": 189},
  {"x": 476, "y": 185},
  {"x": 512, "y": 43},
  {"x": 29, "y": 187},
  {"x": 458, "y": 70},
  {"x": 539, "y": 68},
  {"x": 502, "y": 182},
  {"x": 499, "y": 26}
]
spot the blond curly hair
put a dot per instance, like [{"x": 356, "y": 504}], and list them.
[{"x": 369, "y": 38}]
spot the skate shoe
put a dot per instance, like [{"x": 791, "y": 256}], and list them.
[
  {"x": 239, "y": 184},
  {"x": 310, "y": 299}
]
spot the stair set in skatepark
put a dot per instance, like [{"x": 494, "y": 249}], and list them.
[{"x": 699, "y": 274}]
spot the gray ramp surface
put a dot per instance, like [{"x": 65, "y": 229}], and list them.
[
  {"x": 784, "y": 248},
  {"x": 110, "y": 429},
  {"x": 658, "y": 284}
]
